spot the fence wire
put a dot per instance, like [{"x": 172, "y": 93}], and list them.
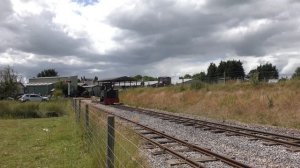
[{"x": 94, "y": 124}]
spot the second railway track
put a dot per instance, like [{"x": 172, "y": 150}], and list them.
[{"x": 292, "y": 143}]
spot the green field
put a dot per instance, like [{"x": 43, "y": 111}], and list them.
[
  {"x": 29, "y": 138},
  {"x": 40, "y": 142}
]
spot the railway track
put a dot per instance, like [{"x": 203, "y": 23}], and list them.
[
  {"x": 184, "y": 152},
  {"x": 292, "y": 143}
]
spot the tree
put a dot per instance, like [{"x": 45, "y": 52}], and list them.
[
  {"x": 212, "y": 73},
  {"x": 187, "y": 76},
  {"x": 199, "y": 76},
  {"x": 266, "y": 72},
  {"x": 149, "y": 78},
  {"x": 8, "y": 83},
  {"x": 232, "y": 69},
  {"x": 296, "y": 75},
  {"x": 47, "y": 73},
  {"x": 95, "y": 79},
  {"x": 138, "y": 77}
]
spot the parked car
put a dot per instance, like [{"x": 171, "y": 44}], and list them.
[{"x": 33, "y": 97}]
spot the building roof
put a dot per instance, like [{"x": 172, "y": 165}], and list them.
[
  {"x": 38, "y": 84},
  {"x": 53, "y": 77},
  {"x": 90, "y": 86},
  {"x": 118, "y": 79}
]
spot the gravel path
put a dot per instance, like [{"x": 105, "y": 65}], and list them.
[{"x": 252, "y": 153}]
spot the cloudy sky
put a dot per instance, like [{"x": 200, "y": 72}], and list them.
[{"x": 111, "y": 38}]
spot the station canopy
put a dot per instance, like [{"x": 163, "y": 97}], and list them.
[{"x": 118, "y": 79}]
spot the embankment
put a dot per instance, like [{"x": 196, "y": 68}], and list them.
[{"x": 270, "y": 104}]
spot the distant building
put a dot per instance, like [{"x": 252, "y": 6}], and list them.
[
  {"x": 44, "y": 85},
  {"x": 92, "y": 90}
]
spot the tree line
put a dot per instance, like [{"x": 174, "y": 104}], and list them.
[{"x": 233, "y": 70}]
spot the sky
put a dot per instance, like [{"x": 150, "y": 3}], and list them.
[{"x": 110, "y": 38}]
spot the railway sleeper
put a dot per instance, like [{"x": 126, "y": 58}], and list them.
[
  {"x": 176, "y": 162},
  {"x": 182, "y": 121},
  {"x": 232, "y": 134},
  {"x": 156, "y": 137},
  {"x": 270, "y": 143},
  {"x": 293, "y": 149},
  {"x": 146, "y": 132},
  {"x": 161, "y": 152},
  {"x": 218, "y": 131},
  {"x": 165, "y": 141},
  {"x": 189, "y": 124}
]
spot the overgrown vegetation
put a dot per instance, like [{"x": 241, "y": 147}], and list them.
[
  {"x": 14, "y": 109},
  {"x": 271, "y": 104}
]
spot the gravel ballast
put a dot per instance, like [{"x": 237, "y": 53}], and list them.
[{"x": 242, "y": 149}]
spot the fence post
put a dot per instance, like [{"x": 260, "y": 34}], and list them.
[
  {"x": 74, "y": 104},
  {"x": 87, "y": 116},
  {"x": 78, "y": 110},
  {"x": 110, "y": 141}
]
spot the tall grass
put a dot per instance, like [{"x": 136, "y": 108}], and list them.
[
  {"x": 13, "y": 109},
  {"x": 271, "y": 104}
]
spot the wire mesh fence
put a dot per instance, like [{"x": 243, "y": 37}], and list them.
[{"x": 110, "y": 145}]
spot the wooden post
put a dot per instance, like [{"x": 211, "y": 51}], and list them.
[
  {"x": 110, "y": 141},
  {"x": 75, "y": 106},
  {"x": 87, "y": 117},
  {"x": 79, "y": 110}
]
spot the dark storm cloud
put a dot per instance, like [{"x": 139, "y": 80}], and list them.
[
  {"x": 165, "y": 32},
  {"x": 161, "y": 30}
]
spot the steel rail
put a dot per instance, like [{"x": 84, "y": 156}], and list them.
[{"x": 237, "y": 130}]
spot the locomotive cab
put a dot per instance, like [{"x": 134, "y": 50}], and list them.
[{"x": 108, "y": 95}]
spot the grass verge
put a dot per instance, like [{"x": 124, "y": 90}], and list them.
[{"x": 44, "y": 142}]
